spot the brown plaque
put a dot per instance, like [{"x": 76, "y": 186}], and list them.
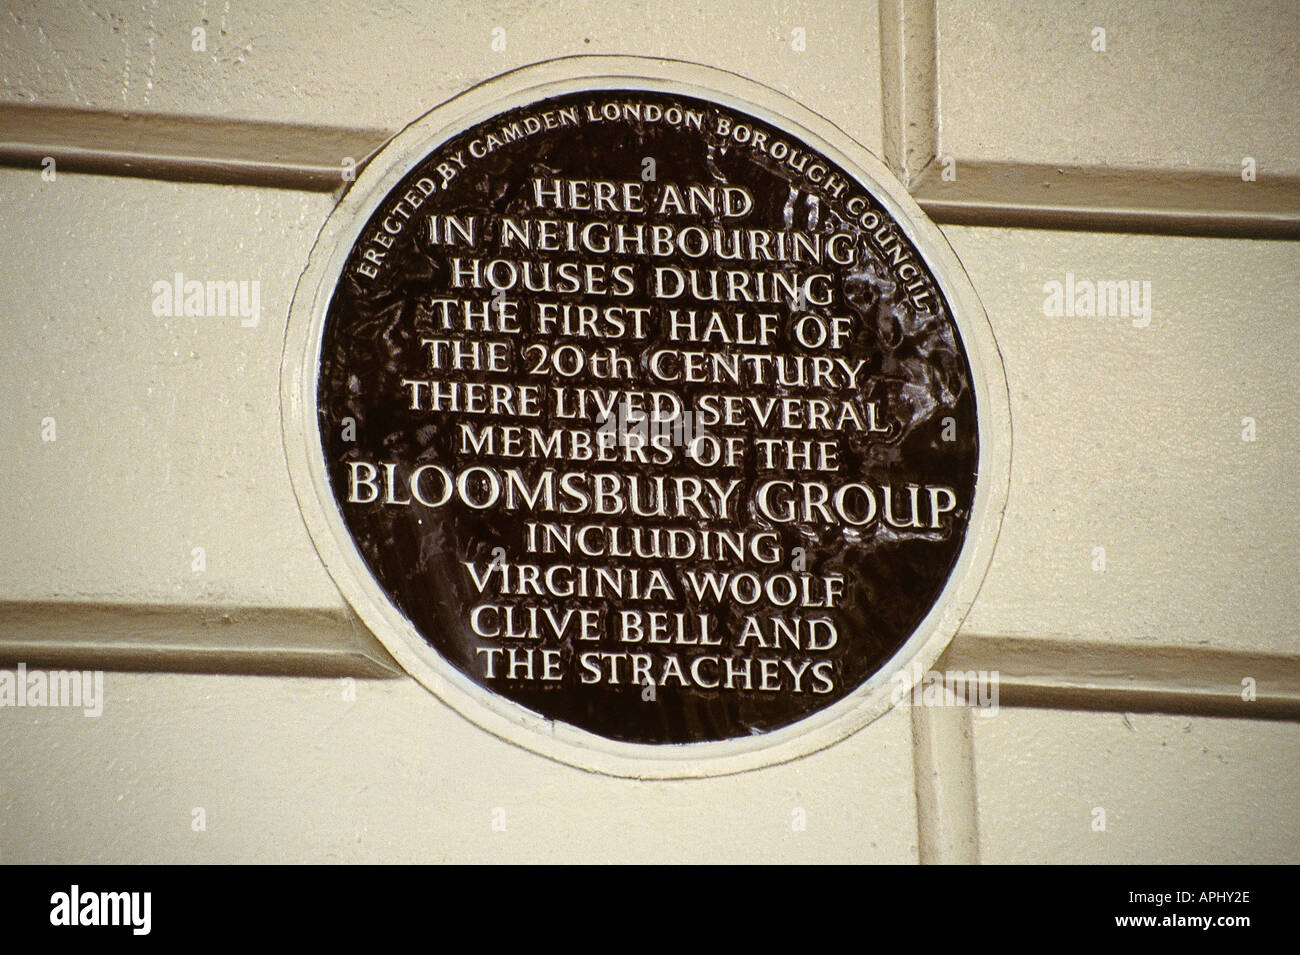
[{"x": 647, "y": 415}]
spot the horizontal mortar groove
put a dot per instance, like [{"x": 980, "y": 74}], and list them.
[
  {"x": 1057, "y": 673},
  {"x": 185, "y": 148},
  {"x": 310, "y": 158},
  {"x": 314, "y": 642},
  {"x": 291, "y": 641},
  {"x": 1111, "y": 199}
]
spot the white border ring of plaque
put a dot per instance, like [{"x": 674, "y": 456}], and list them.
[{"x": 495, "y": 713}]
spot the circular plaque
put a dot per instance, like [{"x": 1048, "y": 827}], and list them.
[{"x": 645, "y": 418}]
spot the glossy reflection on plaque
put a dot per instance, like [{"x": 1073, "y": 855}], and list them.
[{"x": 648, "y": 417}]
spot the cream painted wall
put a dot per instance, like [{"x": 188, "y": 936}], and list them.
[{"x": 230, "y": 690}]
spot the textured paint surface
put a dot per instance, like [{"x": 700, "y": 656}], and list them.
[
  {"x": 1130, "y": 439},
  {"x": 288, "y": 770},
  {"x": 1170, "y": 789},
  {"x": 167, "y": 428},
  {"x": 1181, "y": 86},
  {"x": 366, "y": 65}
]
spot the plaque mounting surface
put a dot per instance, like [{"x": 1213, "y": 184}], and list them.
[{"x": 645, "y": 418}]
